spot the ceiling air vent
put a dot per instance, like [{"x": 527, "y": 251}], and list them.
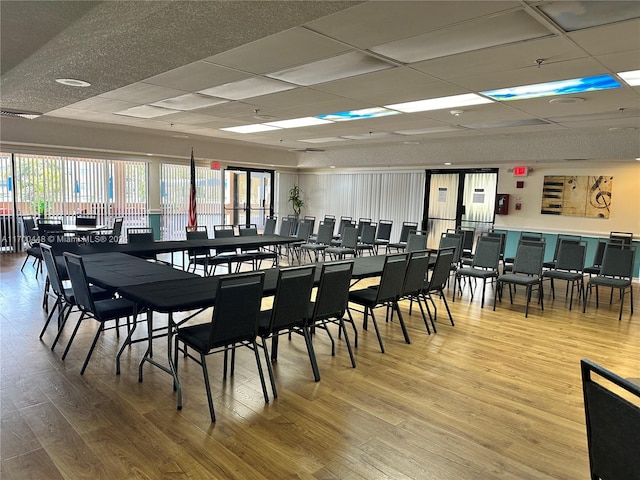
[
  {"x": 307, "y": 150},
  {"x": 15, "y": 113}
]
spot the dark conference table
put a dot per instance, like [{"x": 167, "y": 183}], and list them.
[{"x": 157, "y": 287}]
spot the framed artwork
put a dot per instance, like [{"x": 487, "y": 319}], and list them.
[{"x": 577, "y": 196}]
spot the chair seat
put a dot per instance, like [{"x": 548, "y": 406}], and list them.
[
  {"x": 196, "y": 336},
  {"x": 365, "y": 296},
  {"x": 114, "y": 308},
  {"x": 551, "y": 264},
  {"x": 610, "y": 282},
  {"x": 476, "y": 272},
  {"x": 340, "y": 251},
  {"x": 519, "y": 279},
  {"x": 562, "y": 275},
  {"x": 35, "y": 252},
  {"x": 96, "y": 292},
  {"x": 593, "y": 270}
]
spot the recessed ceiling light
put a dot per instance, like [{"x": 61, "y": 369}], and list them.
[
  {"x": 324, "y": 140},
  {"x": 560, "y": 87},
  {"x": 447, "y": 163},
  {"x": 421, "y": 131},
  {"x": 146, "y": 111},
  {"x": 190, "y": 101},
  {"x": 254, "y": 128},
  {"x": 440, "y": 103},
  {"x": 72, "y": 82},
  {"x": 298, "y": 122},
  {"x": 333, "y": 166},
  {"x": 248, "y": 88},
  {"x": 566, "y": 100},
  {"x": 632, "y": 77}
]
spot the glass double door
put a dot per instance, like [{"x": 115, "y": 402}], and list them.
[
  {"x": 248, "y": 196},
  {"x": 462, "y": 198}
]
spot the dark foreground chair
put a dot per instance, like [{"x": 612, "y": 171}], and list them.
[{"x": 234, "y": 324}]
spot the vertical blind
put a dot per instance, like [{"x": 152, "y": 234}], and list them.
[{"x": 174, "y": 191}]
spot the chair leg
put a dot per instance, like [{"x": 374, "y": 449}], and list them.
[
  {"x": 93, "y": 345},
  {"x": 73, "y": 335},
  {"x": 312, "y": 355},
  {"x": 401, "y": 320},
  {"x": 621, "y": 302},
  {"x": 353, "y": 325},
  {"x": 127, "y": 341},
  {"x": 446, "y": 305},
  {"x": 269, "y": 367},
  {"x": 342, "y": 326},
  {"x": 56, "y": 305},
  {"x": 203, "y": 363},
  {"x": 528, "y": 299},
  {"x": 375, "y": 325},
  {"x": 255, "y": 347}
]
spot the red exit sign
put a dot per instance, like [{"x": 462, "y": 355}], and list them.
[
  {"x": 520, "y": 171},
  {"x": 215, "y": 165}
]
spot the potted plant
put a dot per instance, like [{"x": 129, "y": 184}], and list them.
[{"x": 296, "y": 200}]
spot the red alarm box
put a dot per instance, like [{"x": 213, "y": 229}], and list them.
[{"x": 502, "y": 204}]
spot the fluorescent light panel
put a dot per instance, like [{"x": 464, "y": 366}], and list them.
[
  {"x": 561, "y": 87},
  {"x": 578, "y": 15},
  {"x": 509, "y": 123},
  {"x": 440, "y": 103},
  {"x": 334, "y": 68},
  {"x": 632, "y": 77},
  {"x": 373, "y": 112},
  {"x": 367, "y": 136},
  {"x": 324, "y": 140},
  {"x": 298, "y": 122},
  {"x": 254, "y": 128},
  {"x": 251, "y": 87},
  {"x": 423, "y": 131},
  {"x": 190, "y": 101}
]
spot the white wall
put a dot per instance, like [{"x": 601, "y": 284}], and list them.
[{"x": 625, "y": 200}]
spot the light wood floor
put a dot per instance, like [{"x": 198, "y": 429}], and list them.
[{"x": 497, "y": 396}]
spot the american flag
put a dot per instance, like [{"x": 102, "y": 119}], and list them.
[{"x": 193, "y": 216}]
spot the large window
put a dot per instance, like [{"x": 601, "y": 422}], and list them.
[
  {"x": 61, "y": 187},
  {"x": 175, "y": 182}
]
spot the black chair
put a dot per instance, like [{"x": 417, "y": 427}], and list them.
[
  {"x": 612, "y": 411},
  {"x": 255, "y": 255},
  {"x": 345, "y": 222},
  {"x": 86, "y": 220},
  {"x": 64, "y": 298},
  {"x": 323, "y": 241},
  {"x": 33, "y": 246},
  {"x": 448, "y": 239},
  {"x": 361, "y": 224},
  {"x": 626, "y": 238},
  {"x": 288, "y": 313},
  {"x": 103, "y": 311},
  {"x": 416, "y": 241},
  {"x": 527, "y": 271},
  {"x": 569, "y": 266},
  {"x": 234, "y": 324},
  {"x": 270, "y": 226},
  {"x": 484, "y": 265},
  {"x": 616, "y": 273},
  {"x": 330, "y": 303},
  {"x": 401, "y": 244},
  {"x": 383, "y": 234},
  {"x": 414, "y": 278},
  {"x": 527, "y": 237},
  {"x": 385, "y": 294},
  {"x": 116, "y": 230},
  {"x": 226, "y": 255},
  {"x": 287, "y": 225},
  {"x": 141, "y": 235},
  {"x": 594, "y": 268},
  {"x": 576, "y": 239},
  {"x": 468, "y": 237},
  {"x": 293, "y": 249},
  {"x": 199, "y": 256},
  {"x": 437, "y": 282},
  {"x": 347, "y": 246},
  {"x": 367, "y": 240}
]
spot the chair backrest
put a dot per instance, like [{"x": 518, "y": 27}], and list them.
[
  {"x": 86, "y": 220},
  {"x": 531, "y": 236},
  {"x": 384, "y": 230},
  {"x": 571, "y": 255},
  {"x": 344, "y": 222},
  {"x": 406, "y": 229},
  {"x": 197, "y": 233},
  {"x": 565, "y": 238},
  {"x": 28, "y": 227},
  {"x": 309, "y": 219},
  {"x": 248, "y": 231},
  {"x": 116, "y": 231},
  {"x": 236, "y": 309},
  {"x": 270, "y": 226},
  {"x": 361, "y": 223},
  {"x": 330, "y": 219},
  {"x": 79, "y": 282},
  {"x": 452, "y": 240},
  {"x": 392, "y": 279},
  {"x": 529, "y": 257},
  {"x": 468, "y": 235},
  {"x": 140, "y": 235},
  {"x": 441, "y": 269},
  {"x": 599, "y": 253},
  {"x": 332, "y": 295},
  {"x": 293, "y": 297},
  {"x": 349, "y": 237},
  {"x": 503, "y": 240},
  {"x": 286, "y": 226},
  {"x": 416, "y": 272},
  {"x": 304, "y": 231},
  {"x": 223, "y": 231},
  {"x": 417, "y": 240},
  {"x": 50, "y": 231},
  {"x": 325, "y": 233},
  {"x": 618, "y": 261},
  {"x": 368, "y": 234},
  {"x": 52, "y": 269},
  {"x": 487, "y": 254},
  {"x": 626, "y": 238}
]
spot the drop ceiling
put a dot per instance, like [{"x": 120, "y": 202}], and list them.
[{"x": 187, "y": 70}]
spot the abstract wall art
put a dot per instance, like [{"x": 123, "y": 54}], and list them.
[{"x": 577, "y": 196}]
